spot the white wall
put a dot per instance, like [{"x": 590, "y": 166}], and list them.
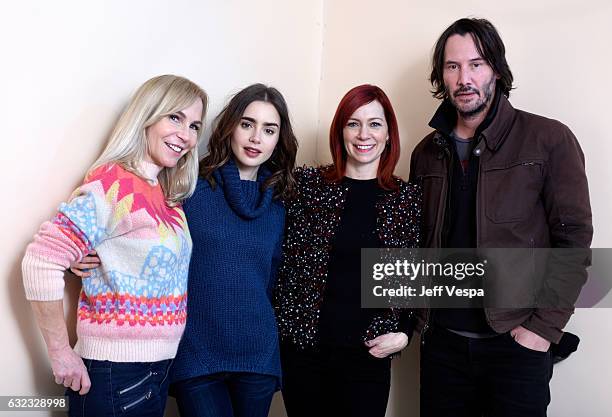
[
  {"x": 559, "y": 53},
  {"x": 69, "y": 67}
]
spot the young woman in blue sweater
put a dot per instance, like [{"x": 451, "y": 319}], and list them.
[{"x": 228, "y": 361}]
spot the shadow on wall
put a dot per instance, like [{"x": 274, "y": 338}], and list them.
[
  {"x": 40, "y": 367},
  {"x": 414, "y": 106},
  {"x": 404, "y": 396}
]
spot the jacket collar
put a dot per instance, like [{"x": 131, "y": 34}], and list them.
[{"x": 494, "y": 129}]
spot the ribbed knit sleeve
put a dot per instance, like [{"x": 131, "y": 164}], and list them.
[{"x": 91, "y": 216}]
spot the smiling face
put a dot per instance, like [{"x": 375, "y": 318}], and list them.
[
  {"x": 255, "y": 137},
  {"x": 468, "y": 77},
  {"x": 365, "y": 135},
  {"x": 174, "y": 135}
]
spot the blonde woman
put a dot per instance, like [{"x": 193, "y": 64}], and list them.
[{"x": 132, "y": 310}]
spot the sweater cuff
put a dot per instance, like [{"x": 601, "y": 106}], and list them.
[{"x": 42, "y": 279}]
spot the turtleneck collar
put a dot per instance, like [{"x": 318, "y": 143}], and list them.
[
  {"x": 244, "y": 197},
  {"x": 150, "y": 171}
]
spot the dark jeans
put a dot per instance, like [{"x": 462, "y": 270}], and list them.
[
  {"x": 333, "y": 381},
  {"x": 122, "y": 389},
  {"x": 492, "y": 377},
  {"x": 226, "y": 394}
]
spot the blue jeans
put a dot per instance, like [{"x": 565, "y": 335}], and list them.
[
  {"x": 122, "y": 389},
  {"x": 225, "y": 394}
]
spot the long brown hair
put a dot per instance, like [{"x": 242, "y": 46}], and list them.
[
  {"x": 282, "y": 161},
  {"x": 488, "y": 44}
]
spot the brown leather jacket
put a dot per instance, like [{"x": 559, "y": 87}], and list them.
[{"x": 532, "y": 192}]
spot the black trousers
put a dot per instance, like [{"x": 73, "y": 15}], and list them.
[
  {"x": 338, "y": 382},
  {"x": 492, "y": 377}
]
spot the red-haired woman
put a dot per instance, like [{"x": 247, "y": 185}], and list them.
[{"x": 335, "y": 355}]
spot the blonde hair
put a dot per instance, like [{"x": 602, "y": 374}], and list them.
[{"x": 128, "y": 146}]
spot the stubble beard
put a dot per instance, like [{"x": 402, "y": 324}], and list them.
[{"x": 480, "y": 105}]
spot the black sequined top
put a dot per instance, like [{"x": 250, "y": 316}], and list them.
[{"x": 311, "y": 223}]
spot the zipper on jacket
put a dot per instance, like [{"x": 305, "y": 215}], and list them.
[
  {"x": 137, "y": 401},
  {"x": 449, "y": 184},
  {"x": 478, "y": 183},
  {"x": 533, "y": 269},
  {"x": 138, "y": 383},
  {"x": 478, "y": 227}
]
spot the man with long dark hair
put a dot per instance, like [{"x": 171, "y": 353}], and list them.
[{"x": 494, "y": 177}]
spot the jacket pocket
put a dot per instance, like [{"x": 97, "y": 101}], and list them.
[{"x": 512, "y": 191}]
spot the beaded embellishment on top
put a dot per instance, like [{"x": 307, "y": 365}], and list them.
[{"x": 312, "y": 220}]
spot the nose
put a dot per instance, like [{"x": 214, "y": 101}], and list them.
[
  {"x": 184, "y": 133},
  {"x": 256, "y": 136},
  {"x": 464, "y": 77},
  {"x": 363, "y": 132}
]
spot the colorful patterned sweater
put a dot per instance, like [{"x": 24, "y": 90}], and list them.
[{"x": 132, "y": 308}]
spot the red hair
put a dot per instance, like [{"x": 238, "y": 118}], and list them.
[{"x": 355, "y": 98}]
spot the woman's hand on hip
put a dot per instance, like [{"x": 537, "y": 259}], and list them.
[{"x": 387, "y": 344}]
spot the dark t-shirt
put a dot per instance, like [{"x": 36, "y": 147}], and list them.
[{"x": 461, "y": 232}]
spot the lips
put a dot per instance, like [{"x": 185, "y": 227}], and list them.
[
  {"x": 251, "y": 152},
  {"x": 175, "y": 148},
  {"x": 364, "y": 148},
  {"x": 466, "y": 93}
]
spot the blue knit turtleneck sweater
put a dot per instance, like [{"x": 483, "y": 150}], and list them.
[{"x": 237, "y": 237}]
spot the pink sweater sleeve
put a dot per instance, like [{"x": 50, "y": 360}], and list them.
[
  {"x": 45, "y": 261},
  {"x": 79, "y": 226}
]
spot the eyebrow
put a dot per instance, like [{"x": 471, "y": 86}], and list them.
[
  {"x": 371, "y": 118},
  {"x": 250, "y": 119},
  {"x": 450, "y": 61},
  {"x": 195, "y": 122}
]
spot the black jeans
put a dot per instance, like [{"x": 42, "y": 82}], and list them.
[
  {"x": 122, "y": 389},
  {"x": 492, "y": 377},
  {"x": 335, "y": 381}
]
